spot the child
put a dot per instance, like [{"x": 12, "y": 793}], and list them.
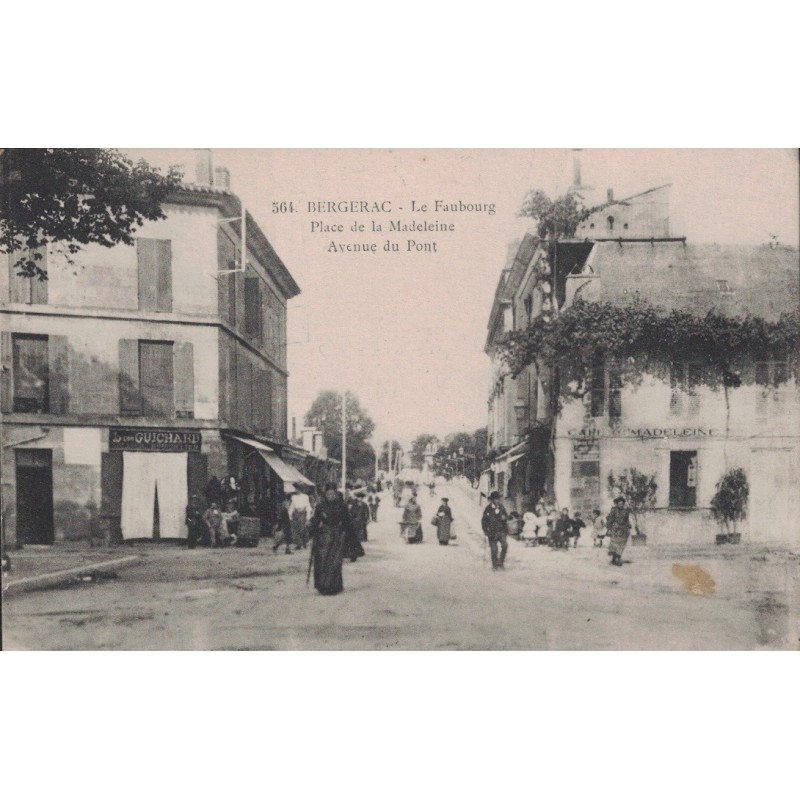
[
  {"x": 599, "y": 526},
  {"x": 577, "y": 524}
]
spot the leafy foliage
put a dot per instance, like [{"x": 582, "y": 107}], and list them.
[
  {"x": 75, "y": 197},
  {"x": 326, "y": 414},
  {"x": 557, "y": 218},
  {"x": 643, "y": 337},
  {"x": 418, "y": 447},
  {"x": 729, "y": 503},
  {"x": 638, "y": 489}
]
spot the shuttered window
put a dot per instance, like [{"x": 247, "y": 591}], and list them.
[
  {"x": 27, "y": 290},
  {"x": 154, "y": 258},
  {"x": 156, "y": 379},
  {"x": 252, "y": 308},
  {"x": 31, "y": 374},
  {"x": 184, "y": 380}
]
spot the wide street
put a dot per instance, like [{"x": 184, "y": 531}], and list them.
[{"x": 424, "y": 596}]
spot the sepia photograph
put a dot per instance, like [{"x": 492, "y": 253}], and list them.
[{"x": 400, "y": 399}]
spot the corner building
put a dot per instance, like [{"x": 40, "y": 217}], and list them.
[{"x": 136, "y": 373}]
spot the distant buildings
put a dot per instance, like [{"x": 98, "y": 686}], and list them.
[
  {"x": 670, "y": 422},
  {"x": 134, "y": 375}
]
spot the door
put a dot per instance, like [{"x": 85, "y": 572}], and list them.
[
  {"x": 773, "y": 496},
  {"x": 34, "y": 496}
]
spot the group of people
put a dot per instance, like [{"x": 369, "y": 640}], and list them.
[
  {"x": 411, "y": 524},
  {"x": 210, "y": 525},
  {"x": 543, "y": 524}
]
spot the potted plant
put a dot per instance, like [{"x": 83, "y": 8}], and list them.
[
  {"x": 639, "y": 491},
  {"x": 729, "y": 504}
]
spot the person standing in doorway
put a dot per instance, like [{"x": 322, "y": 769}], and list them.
[
  {"x": 618, "y": 525},
  {"x": 495, "y": 527},
  {"x": 284, "y": 525}
]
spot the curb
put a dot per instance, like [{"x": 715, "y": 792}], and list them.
[{"x": 56, "y": 578}]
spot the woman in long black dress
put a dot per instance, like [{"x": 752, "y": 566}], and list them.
[{"x": 330, "y": 528}]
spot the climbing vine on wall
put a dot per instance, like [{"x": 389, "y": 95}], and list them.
[{"x": 644, "y": 338}]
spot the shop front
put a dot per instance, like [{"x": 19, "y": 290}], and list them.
[{"x": 147, "y": 477}]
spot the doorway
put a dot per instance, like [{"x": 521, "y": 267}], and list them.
[{"x": 34, "y": 472}]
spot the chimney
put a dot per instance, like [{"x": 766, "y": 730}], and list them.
[
  {"x": 576, "y": 169},
  {"x": 222, "y": 177},
  {"x": 610, "y": 195},
  {"x": 203, "y": 169},
  {"x": 294, "y": 419}
]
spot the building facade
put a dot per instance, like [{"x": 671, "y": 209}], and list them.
[{"x": 136, "y": 373}]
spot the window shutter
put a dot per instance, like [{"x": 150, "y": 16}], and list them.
[
  {"x": 58, "y": 355},
  {"x": 146, "y": 258},
  {"x": 197, "y": 473},
  {"x": 163, "y": 254},
  {"x": 39, "y": 287},
  {"x": 252, "y": 307},
  {"x": 183, "y": 354},
  {"x": 130, "y": 397},
  {"x": 7, "y": 376},
  {"x": 19, "y": 287}
]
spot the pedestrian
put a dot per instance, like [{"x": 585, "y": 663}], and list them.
[
  {"x": 194, "y": 522},
  {"x": 562, "y": 530},
  {"x": 284, "y": 525},
  {"x": 443, "y": 521},
  {"x": 412, "y": 518},
  {"x": 495, "y": 527},
  {"x": 215, "y": 524},
  {"x": 578, "y": 523},
  {"x": 231, "y": 518},
  {"x": 374, "y": 502},
  {"x": 300, "y": 513},
  {"x": 599, "y": 527},
  {"x": 359, "y": 515},
  {"x": 329, "y": 530},
  {"x": 530, "y": 525},
  {"x": 618, "y": 525}
]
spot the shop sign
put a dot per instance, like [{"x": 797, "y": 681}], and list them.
[
  {"x": 155, "y": 440},
  {"x": 643, "y": 433}
]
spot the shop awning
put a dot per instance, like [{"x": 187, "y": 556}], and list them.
[
  {"x": 510, "y": 456},
  {"x": 286, "y": 472},
  {"x": 251, "y": 443}
]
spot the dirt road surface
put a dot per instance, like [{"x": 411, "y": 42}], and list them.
[{"x": 425, "y": 597}]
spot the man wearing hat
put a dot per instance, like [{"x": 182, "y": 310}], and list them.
[
  {"x": 494, "y": 524},
  {"x": 618, "y": 525}
]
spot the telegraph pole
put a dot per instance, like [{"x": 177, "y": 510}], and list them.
[{"x": 344, "y": 441}]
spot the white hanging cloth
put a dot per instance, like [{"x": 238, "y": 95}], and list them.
[
  {"x": 138, "y": 495},
  {"x": 173, "y": 493}
]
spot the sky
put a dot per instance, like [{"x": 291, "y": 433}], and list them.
[{"x": 405, "y": 331}]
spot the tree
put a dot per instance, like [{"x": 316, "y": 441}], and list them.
[
  {"x": 383, "y": 459},
  {"x": 729, "y": 503},
  {"x": 419, "y": 447},
  {"x": 326, "y": 415},
  {"x": 638, "y": 489},
  {"x": 556, "y": 219},
  {"x": 74, "y": 197}
]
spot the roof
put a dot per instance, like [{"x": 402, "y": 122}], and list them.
[
  {"x": 763, "y": 281},
  {"x": 231, "y": 206}
]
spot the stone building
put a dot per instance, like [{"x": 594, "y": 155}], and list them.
[{"x": 136, "y": 373}]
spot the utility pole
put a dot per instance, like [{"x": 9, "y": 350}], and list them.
[{"x": 344, "y": 441}]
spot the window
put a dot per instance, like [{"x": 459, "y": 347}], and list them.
[
  {"x": 528, "y": 307},
  {"x": 683, "y": 479},
  {"x": 253, "y": 319},
  {"x": 724, "y": 287},
  {"x": 686, "y": 377},
  {"x": 156, "y": 378},
  {"x": 31, "y": 374},
  {"x": 27, "y": 290},
  {"x": 610, "y": 223},
  {"x": 154, "y": 257},
  {"x": 606, "y": 389}
]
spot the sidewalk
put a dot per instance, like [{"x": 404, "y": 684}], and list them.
[{"x": 45, "y": 566}]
